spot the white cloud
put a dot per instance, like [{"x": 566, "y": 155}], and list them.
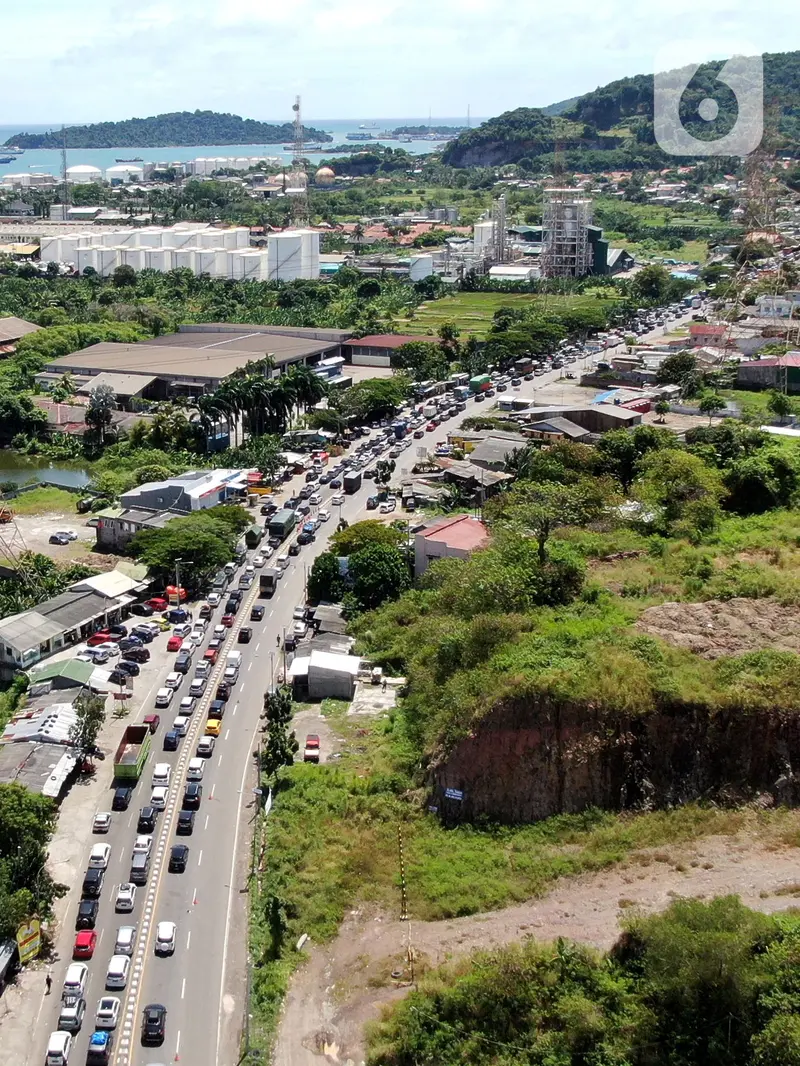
[{"x": 105, "y": 59}]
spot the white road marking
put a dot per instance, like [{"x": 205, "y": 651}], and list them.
[
  {"x": 227, "y": 733},
  {"x": 183, "y": 987},
  {"x": 270, "y": 614},
  {"x": 219, "y": 761},
  {"x": 188, "y": 939},
  {"x": 258, "y": 645},
  {"x": 178, "y": 1044},
  {"x": 199, "y": 858},
  {"x": 206, "y": 825},
  {"x": 249, "y": 667}
]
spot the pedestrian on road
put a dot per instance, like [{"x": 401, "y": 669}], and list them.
[
  {"x": 49, "y": 983},
  {"x": 278, "y": 641}
]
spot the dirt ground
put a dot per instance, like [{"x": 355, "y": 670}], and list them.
[
  {"x": 35, "y": 531},
  {"x": 715, "y": 628},
  {"x": 345, "y": 984}
]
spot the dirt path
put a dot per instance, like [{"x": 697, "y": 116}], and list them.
[{"x": 345, "y": 984}]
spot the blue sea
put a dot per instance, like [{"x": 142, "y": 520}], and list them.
[{"x": 48, "y": 160}]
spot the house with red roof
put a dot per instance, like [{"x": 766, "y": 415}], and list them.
[
  {"x": 780, "y": 373},
  {"x": 701, "y": 333},
  {"x": 377, "y": 348},
  {"x": 454, "y": 537}
]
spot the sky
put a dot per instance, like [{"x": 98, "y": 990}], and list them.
[{"x": 101, "y": 60}]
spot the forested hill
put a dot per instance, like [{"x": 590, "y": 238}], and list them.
[
  {"x": 612, "y": 127},
  {"x": 166, "y": 131}
]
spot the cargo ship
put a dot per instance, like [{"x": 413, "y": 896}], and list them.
[{"x": 136, "y": 159}]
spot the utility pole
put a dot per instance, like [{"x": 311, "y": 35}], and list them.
[{"x": 178, "y": 580}]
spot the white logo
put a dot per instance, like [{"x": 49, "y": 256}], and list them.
[{"x": 744, "y": 75}]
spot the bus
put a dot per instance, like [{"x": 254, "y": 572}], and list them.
[
  {"x": 455, "y": 380},
  {"x": 461, "y": 392}
]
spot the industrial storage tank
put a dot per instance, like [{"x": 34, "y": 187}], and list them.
[
  {"x": 128, "y": 238},
  {"x": 108, "y": 259},
  {"x": 284, "y": 255},
  {"x": 87, "y": 257},
  {"x": 184, "y": 259},
  {"x": 123, "y": 173},
  {"x": 420, "y": 266},
  {"x": 83, "y": 173},
  {"x": 50, "y": 250},
  {"x": 482, "y": 235},
  {"x": 159, "y": 259},
  {"x": 134, "y": 257},
  {"x": 324, "y": 176},
  {"x": 210, "y": 239},
  {"x": 252, "y": 264},
  {"x": 150, "y": 237}
]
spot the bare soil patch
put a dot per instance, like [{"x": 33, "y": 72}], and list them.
[
  {"x": 369, "y": 965},
  {"x": 724, "y": 627}
]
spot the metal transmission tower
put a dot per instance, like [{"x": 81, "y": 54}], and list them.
[
  {"x": 566, "y": 219},
  {"x": 500, "y": 248},
  {"x": 298, "y": 179},
  {"x": 16, "y": 552}
]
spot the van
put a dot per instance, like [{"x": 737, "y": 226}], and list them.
[
  {"x": 195, "y": 770},
  {"x": 180, "y": 725},
  {"x": 164, "y": 697},
  {"x": 59, "y": 1047},
  {"x": 230, "y": 568},
  {"x": 233, "y": 658},
  {"x": 162, "y": 774},
  {"x": 140, "y": 868}
]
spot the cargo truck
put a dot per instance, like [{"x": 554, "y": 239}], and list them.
[
  {"x": 461, "y": 392},
  {"x": 282, "y": 524},
  {"x": 480, "y": 383},
  {"x": 268, "y": 581},
  {"x": 351, "y": 482},
  {"x": 131, "y": 755},
  {"x": 253, "y": 536}
]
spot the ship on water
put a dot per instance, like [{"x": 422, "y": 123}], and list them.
[{"x": 136, "y": 159}]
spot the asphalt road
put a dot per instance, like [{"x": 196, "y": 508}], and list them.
[{"x": 202, "y": 984}]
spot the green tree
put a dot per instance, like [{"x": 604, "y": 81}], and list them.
[
  {"x": 652, "y": 284},
  {"x": 681, "y": 489},
  {"x": 363, "y": 535},
  {"x": 63, "y": 390},
  {"x": 757, "y": 483},
  {"x": 90, "y": 712},
  {"x": 378, "y": 573},
  {"x": 278, "y": 705},
  {"x": 710, "y": 404},
  {"x": 325, "y": 581},
  {"x": 662, "y": 409},
  {"x": 124, "y": 276},
  {"x": 100, "y": 409},
  {"x": 204, "y": 541},
  {"x": 538, "y": 510},
  {"x": 279, "y": 750},
  {"x": 676, "y": 369},
  {"x": 780, "y": 405}
]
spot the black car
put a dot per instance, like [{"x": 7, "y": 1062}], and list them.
[
  {"x": 178, "y": 857},
  {"x": 291, "y": 503},
  {"x": 192, "y": 795},
  {"x": 144, "y": 610},
  {"x": 171, "y": 740},
  {"x": 125, "y": 667},
  {"x": 87, "y": 914},
  {"x": 92, "y": 883},
  {"x": 137, "y": 655},
  {"x": 147, "y": 820},
  {"x": 236, "y": 596},
  {"x": 223, "y": 691},
  {"x": 231, "y": 607},
  {"x": 256, "y": 614},
  {"x": 154, "y": 1024},
  {"x": 185, "y": 825},
  {"x": 336, "y": 483},
  {"x": 305, "y": 537},
  {"x": 118, "y": 628},
  {"x": 325, "y": 478},
  {"x": 129, "y": 643},
  {"x": 144, "y": 634},
  {"x": 245, "y": 635},
  {"x": 294, "y": 547},
  {"x": 217, "y": 709},
  {"x": 59, "y": 538},
  {"x": 312, "y": 475},
  {"x": 122, "y": 798},
  {"x": 268, "y": 508},
  {"x": 183, "y": 662},
  {"x": 117, "y": 677}
]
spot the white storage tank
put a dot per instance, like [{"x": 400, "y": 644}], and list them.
[
  {"x": 108, "y": 259},
  {"x": 242, "y": 236},
  {"x": 83, "y": 173},
  {"x": 284, "y": 255},
  {"x": 123, "y": 173},
  {"x": 206, "y": 261},
  {"x": 482, "y": 235},
  {"x": 50, "y": 250},
  {"x": 87, "y": 257},
  {"x": 251, "y": 265},
  {"x": 420, "y": 266},
  {"x": 184, "y": 259},
  {"x": 159, "y": 259},
  {"x": 127, "y": 238},
  {"x": 150, "y": 237},
  {"x": 134, "y": 257},
  {"x": 210, "y": 239}
]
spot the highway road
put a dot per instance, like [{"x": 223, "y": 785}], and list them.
[{"x": 202, "y": 984}]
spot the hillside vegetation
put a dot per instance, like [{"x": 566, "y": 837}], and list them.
[
  {"x": 168, "y": 130},
  {"x": 612, "y": 127},
  {"x": 704, "y": 984}
]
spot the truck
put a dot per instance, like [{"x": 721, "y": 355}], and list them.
[
  {"x": 480, "y": 383},
  {"x": 253, "y": 536},
  {"x": 351, "y": 482},
  {"x": 461, "y": 392},
  {"x": 430, "y": 410},
  {"x": 131, "y": 755},
  {"x": 400, "y": 428},
  {"x": 268, "y": 581},
  {"x": 282, "y": 524}
]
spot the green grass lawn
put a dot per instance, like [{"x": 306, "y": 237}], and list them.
[
  {"x": 44, "y": 500},
  {"x": 472, "y": 312}
]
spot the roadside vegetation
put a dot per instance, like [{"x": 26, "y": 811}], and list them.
[{"x": 27, "y": 822}]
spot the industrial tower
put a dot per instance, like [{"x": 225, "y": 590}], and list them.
[
  {"x": 500, "y": 245},
  {"x": 298, "y": 180},
  {"x": 566, "y": 219}
]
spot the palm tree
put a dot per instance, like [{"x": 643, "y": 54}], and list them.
[{"x": 358, "y": 237}]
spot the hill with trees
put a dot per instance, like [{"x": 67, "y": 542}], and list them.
[
  {"x": 612, "y": 126},
  {"x": 173, "y": 129}
]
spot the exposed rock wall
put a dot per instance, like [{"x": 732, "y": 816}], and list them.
[{"x": 529, "y": 761}]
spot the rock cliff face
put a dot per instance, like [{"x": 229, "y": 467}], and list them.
[{"x": 526, "y": 762}]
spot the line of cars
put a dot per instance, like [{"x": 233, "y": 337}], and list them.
[{"x": 73, "y": 1005}]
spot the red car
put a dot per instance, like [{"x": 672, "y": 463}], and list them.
[
  {"x": 153, "y": 721},
  {"x": 85, "y": 943},
  {"x": 431, "y": 426},
  {"x": 206, "y": 610},
  {"x": 228, "y": 620},
  {"x": 100, "y": 637},
  {"x": 174, "y": 643},
  {"x": 210, "y": 655},
  {"x": 158, "y": 603}
]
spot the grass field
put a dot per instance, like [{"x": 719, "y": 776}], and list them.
[
  {"x": 472, "y": 312},
  {"x": 43, "y": 501}
]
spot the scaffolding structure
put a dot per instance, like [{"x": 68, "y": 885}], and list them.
[
  {"x": 297, "y": 186},
  {"x": 566, "y": 219},
  {"x": 500, "y": 248}
]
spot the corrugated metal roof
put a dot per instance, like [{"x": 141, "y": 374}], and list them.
[
  {"x": 12, "y": 328},
  {"x": 75, "y": 669}
]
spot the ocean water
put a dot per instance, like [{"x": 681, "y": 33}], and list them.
[{"x": 48, "y": 160}]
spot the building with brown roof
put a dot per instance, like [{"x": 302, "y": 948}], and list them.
[{"x": 454, "y": 537}]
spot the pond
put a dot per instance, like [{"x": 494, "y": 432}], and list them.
[{"x": 27, "y": 468}]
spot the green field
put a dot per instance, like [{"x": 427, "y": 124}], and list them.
[{"x": 472, "y": 312}]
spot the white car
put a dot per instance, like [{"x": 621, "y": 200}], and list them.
[
  {"x": 282, "y": 561},
  {"x": 315, "y": 499},
  {"x": 188, "y": 646},
  {"x": 196, "y": 637},
  {"x": 126, "y": 940},
  {"x": 299, "y": 612},
  {"x": 201, "y": 625},
  {"x": 182, "y": 630},
  {"x": 299, "y": 629},
  {"x": 250, "y": 569},
  {"x": 164, "y": 696},
  {"x": 267, "y": 551},
  {"x": 198, "y": 686},
  {"x": 142, "y": 845},
  {"x": 67, "y": 533},
  {"x": 259, "y": 560},
  {"x": 220, "y": 632},
  {"x": 213, "y": 599},
  {"x": 100, "y": 854},
  {"x": 202, "y": 669},
  {"x": 102, "y": 822},
  {"x": 107, "y": 1014},
  {"x": 323, "y": 515},
  {"x": 165, "y": 938},
  {"x": 205, "y": 747},
  {"x": 117, "y": 972},
  {"x": 158, "y": 798},
  {"x": 173, "y": 680},
  {"x": 126, "y": 897},
  {"x": 109, "y": 647},
  {"x": 186, "y": 706},
  {"x": 337, "y": 500}
]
